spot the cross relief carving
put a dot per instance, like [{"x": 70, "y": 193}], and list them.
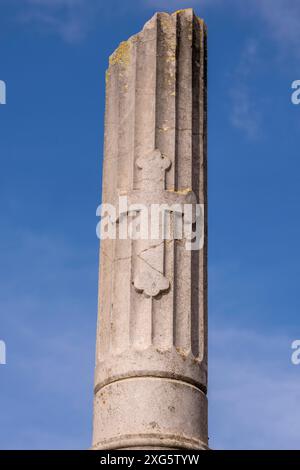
[{"x": 149, "y": 263}]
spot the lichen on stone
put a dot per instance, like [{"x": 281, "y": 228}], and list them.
[
  {"x": 167, "y": 23},
  {"x": 121, "y": 55},
  {"x": 201, "y": 21},
  {"x": 182, "y": 192},
  {"x": 180, "y": 11}
]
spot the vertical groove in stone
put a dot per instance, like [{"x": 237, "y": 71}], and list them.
[
  {"x": 141, "y": 310},
  {"x": 203, "y": 198},
  {"x": 145, "y": 93},
  {"x": 120, "y": 313},
  {"x": 198, "y": 262},
  {"x": 110, "y": 170},
  {"x": 196, "y": 155},
  {"x": 182, "y": 286},
  {"x": 165, "y": 141},
  {"x": 131, "y": 186}
]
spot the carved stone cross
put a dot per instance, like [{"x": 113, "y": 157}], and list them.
[{"x": 149, "y": 276}]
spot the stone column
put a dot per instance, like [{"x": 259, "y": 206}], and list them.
[{"x": 151, "y": 364}]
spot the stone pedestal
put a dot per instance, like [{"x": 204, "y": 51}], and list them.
[{"x": 151, "y": 364}]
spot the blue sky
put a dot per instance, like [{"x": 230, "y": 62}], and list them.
[{"x": 53, "y": 56}]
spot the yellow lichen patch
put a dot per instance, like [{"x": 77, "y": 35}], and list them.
[
  {"x": 171, "y": 59},
  {"x": 182, "y": 192},
  {"x": 180, "y": 11},
  {"x": 167, "y": 24},
  {"x": 201, "y": 21},
  {"x": 121, "y": 55},
  {"x": 182, "y": 353},
  {"x": 107, "y": 75}
]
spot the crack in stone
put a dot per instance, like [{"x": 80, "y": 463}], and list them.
[
  {"x": 152, "y": 247},
  {"x": 148, "y": 264}
]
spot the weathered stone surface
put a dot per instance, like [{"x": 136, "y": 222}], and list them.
[{"x": 151, "y": 360}]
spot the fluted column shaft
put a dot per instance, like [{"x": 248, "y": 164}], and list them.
[{"x": 151, "y": 364}]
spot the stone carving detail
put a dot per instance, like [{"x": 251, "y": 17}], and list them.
[
  {"x": 148, "y": 263},
  {"x": 151, "y": 283},
  {"x": 154, "y": 165},
  {"x": 150, "y": 278}
]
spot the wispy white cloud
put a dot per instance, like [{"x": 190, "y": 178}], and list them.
[
  {"x": 173, "y": 4},
  {"x": 254, "y": 391},
  {"x": 70, "y": 19},
  {"x": 280, "y": 17},
  {"x": 73, "y": 19},
  {"x": 48, "y": 315},
  {"x": 244, "y": 113},
  {"x": 56, "y": 371}
]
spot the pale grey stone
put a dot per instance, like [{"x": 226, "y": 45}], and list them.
[{"x": 151, "y": 359}]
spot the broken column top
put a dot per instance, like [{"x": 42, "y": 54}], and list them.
[{"x": 121, "y": 54}]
